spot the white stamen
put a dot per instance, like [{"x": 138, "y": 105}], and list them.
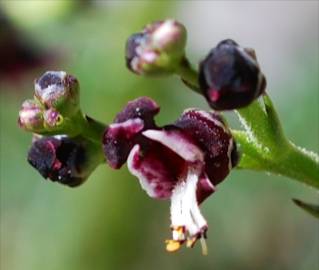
[
  {"x": 184, "y": 207},
  {"x": 177, "y": 217}
]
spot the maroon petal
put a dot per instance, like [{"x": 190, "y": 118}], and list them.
[
  {"x": 215, "y": 139},
  {"x": 157, "y": 167},
  {"x": 118, "y": 140},
  {"x": 204, "y": 188},
  {"x": 143, "y": 108},
  {"x": 120, "y": 137}
]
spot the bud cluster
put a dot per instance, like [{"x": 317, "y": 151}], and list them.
[
  {"x": 55, "y": 103},
  {"x": 59, "y": 150}
]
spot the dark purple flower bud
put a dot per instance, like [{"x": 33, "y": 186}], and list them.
[
  {"x": 58, "y": 90},
  {"x": 64, "y": 160},
  {"x": 31, "y": 116},
  {"x": 142, "y": 107},
  {"x": 230, "y": 77},
  {"x": 157, "y": 49},
  {"x": 182, "y": 162}
]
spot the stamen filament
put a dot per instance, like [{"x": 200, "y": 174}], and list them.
[{"x": 188, "y": 224}]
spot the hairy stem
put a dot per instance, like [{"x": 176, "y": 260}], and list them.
[{"x": 292, "y": 161}]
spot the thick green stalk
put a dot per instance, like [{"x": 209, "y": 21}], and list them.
[
  {"x": 92, "y": 129},
  {"x": 78, "y": 125},
  {"x": 290, "y": 160}
]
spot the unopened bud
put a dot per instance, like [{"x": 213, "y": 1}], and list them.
[
  {"x": 158, "y": 49},
  {"x": 230, "y": 76},
  {"x": 68, "y": 161},
  {"x": 58, "y": 90},
  {"x": 52, "y": 118},
  {"x": 31, "y": 116}
]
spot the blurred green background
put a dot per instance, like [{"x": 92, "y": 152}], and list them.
[{"x": 109, "y": 222}]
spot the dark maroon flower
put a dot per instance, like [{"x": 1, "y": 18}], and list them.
[
  {"x": 64, "y": 160},
  {"x": 182, "y": 162},
  {"x": 230, "y": 77}
]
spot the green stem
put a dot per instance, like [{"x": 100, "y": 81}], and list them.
[
  {"x": 263, "y": 145},
  {"x": 92, "y": 129},
  {"x": 79, "y": 125},
  {"x": 290, "y": 161},
  {"x": 188, "y": 74},
  {"x": 301, "y": 165}
]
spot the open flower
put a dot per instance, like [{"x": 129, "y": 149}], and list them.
[
  {"x": 68, "y": 161},
  {"x": 182, "y": 162}
]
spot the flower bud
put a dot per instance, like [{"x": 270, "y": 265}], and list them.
[
  {"x": 52, "y": 118},
  {"x": 68, "y": 161},
  {"x": 31, "y": 116},
  {"x": 58, "y": 90},
  {"x": 158, "y": 49},
  {"x": 230, "y": 77}
]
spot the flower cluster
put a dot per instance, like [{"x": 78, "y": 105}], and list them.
[{"x": 183, "y": 161}]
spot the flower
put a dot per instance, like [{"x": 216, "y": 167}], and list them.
[
  {"x": 65, "y": 160},
  {"x": 182, "y": 162},
  {"x": 157, "y": 49},
  {"x": 230, "y": 76}
]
